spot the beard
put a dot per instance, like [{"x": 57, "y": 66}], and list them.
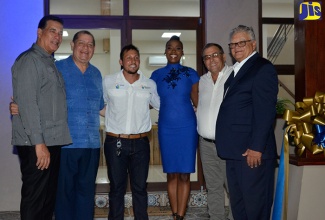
[{"x": 132, "y": 72}]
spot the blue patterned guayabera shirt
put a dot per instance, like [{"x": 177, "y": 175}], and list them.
[{"x": 84, "y": 101}]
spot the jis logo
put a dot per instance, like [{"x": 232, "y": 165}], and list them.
[{"x": 310, "y": 11}]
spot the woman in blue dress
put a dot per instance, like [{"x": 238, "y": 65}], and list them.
[{"x": 177, "y": 87}]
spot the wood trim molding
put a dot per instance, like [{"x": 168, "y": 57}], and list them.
[{"x": 285, "y": 69}]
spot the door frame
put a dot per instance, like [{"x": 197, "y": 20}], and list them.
[{"x": 128, "y": 23}]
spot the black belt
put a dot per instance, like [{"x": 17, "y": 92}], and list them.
[{"x": 208, "y": 140}]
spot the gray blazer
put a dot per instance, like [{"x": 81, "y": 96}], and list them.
[{"x": 38, "y": 89}]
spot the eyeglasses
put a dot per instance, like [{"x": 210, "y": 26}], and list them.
[
  {"x": 239, "y": 44},
  {"x": 213, "y": 56},
  {"x": 118, "y": 147}
]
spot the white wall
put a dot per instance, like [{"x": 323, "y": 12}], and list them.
[
  {"x": 305, "y": 194},
  {"x": 177, "y": 8},
  {"x": 18, "y": 32},
  {"x": 137, "y": 7},
  {"x": 282, "y": 9},
  {"x": 70, "y": 7},
  {"x": 224, "y": 15}
]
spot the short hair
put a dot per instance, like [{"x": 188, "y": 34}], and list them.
[
  {"x": 174, "y": 38},
  {"x": 76, "y": 36},
  {"x": 127, "y": 48},
  {"x": 243, "y": 28},
  {"x": 43, "y": 22},
  {"x": 208, "y": 45}
]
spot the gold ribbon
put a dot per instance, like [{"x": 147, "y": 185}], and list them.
[
  {"x": 300, "y": 126},
  {"x": 309, "y": 112}
]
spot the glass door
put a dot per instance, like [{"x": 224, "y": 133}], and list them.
[
  {"x": 113, "y": 28},
  {"x": 152, "y": 47},
  {"x": 147, "y": 36}
]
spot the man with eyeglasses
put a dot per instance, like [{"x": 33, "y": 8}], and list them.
[
  {"x": 128, "y": 94},
  {"x": 245, "y": 128},
  {"x": 211, "y": 89}
]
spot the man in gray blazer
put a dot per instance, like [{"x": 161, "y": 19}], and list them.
[{"x": 41, "y": 127}]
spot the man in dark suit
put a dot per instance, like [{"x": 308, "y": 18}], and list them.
[{"x": 244, "y": 128}]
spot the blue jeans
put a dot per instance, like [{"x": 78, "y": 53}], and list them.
[{"x": 133, "y": 160}]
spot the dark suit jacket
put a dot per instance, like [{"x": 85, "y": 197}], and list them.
[{"x": 247, "y": 114}]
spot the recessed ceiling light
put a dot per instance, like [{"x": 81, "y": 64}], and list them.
[
  {"x": 169, "y": 34},
  {"x": 65, "y": 34}
]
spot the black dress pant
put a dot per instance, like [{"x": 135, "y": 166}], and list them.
[
  {"x": 251, "y": 189},
  {"x": 38, "y": 190}
]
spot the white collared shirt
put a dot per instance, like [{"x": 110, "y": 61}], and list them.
[
  {"x": 210, "y": 98},
  {"x": 237, "y": 65},
  {"x": 127, "y": 109}
]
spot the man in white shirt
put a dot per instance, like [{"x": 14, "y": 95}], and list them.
[
  {"x": 211, "y": 90},
  {"x": 128, "y": 94}
]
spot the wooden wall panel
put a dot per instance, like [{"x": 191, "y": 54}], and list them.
[
  {"x": 309, "y": 56},
  {"x": 309, "y": 69}
]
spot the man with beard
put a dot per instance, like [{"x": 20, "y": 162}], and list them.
[{"x": 128, "y": 94}]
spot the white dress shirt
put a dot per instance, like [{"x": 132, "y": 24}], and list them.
[
  {"x": 127, "y": 105},
  {"x": 237, "y": 65},
  {"x": 210, "y": 98}
]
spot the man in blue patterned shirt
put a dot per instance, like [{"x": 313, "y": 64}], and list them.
[{"x": 79, "y": 161}]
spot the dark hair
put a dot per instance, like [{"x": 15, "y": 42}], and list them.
[
  {"x": 127, "y": 48},
  {"x": 208, "y": 45},
  {"x": 43, "y": 22},
  {"x": 76, "y": 36},
  {"x": 174, "y": 38}
]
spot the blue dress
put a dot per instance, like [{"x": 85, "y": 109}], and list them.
[{"x": 177, "y": 129}]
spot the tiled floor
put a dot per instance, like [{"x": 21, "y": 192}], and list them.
[
  {"x": 192, "y": 214},
  {"x": 155, "y": 175}
]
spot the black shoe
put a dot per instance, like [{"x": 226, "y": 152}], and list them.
[{"x": 178, "y": 217}]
